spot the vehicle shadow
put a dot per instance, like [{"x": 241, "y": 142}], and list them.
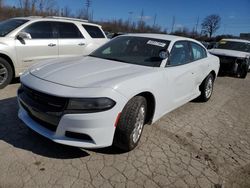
[
  {"x": 15, "y": 81},
  {"x": 15, "y": 133},
  {"x": 108, "y": 151}
]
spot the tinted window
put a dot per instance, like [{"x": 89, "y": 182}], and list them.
[
  {"x": 68, "y": 31},
  {"x": 133, "y": 50},
  {"x": 94, "y": 31},
  {"x": 40, "y": 30},
  {"x": 180, "y": 53},
  {"x": 198, "y": 51},
  {"x": 9, "y": 25}
]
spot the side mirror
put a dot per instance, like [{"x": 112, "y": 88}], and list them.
[
  {"x": 164, "y": 54},
  {"x": 23, "y": 35}
]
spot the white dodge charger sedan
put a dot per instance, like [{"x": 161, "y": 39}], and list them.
[{"x": 106, "y": 98}]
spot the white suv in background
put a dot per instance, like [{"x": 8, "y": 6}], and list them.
[{"x": 26, "y": 40}]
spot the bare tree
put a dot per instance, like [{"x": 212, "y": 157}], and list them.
[
  {"x": 46, "y": 5},
  {"x": 141, "y": 23},
  {"x": 81, "y": 13},
  {"x": 66, "y": 11},
  {"x": 25, "y": 6},
  {"x": 1, "y": 3},
  {"x": 211, "y": 24},
  {"x": 33, "y": 7}
]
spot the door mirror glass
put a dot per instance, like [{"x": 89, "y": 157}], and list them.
[
  {"x": 23, "y": 35},
  {"x": 163, "y": 54}
]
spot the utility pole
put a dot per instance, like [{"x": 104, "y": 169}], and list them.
[
  {"x": 154, "y": 20},
  {"x": 129, "y": 19},
  {"x": 140, "y": 25},
  {"x": 197, "y": 23},
  {"x": 87, "y": 4},
  {"x": 130, "y": 16},
  {"x": 173, "y": 24},
  {"x": 142, "y": 15}
]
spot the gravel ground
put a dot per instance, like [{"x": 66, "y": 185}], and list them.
[{"x": 204, "y": 145}]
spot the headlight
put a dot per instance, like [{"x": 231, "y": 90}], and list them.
[{"x": 88, "y": 105}]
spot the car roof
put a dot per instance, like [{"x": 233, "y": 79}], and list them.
[
  {"x": 57, "y": 18},
  {"x": 237, "y": 40},
  {"x": 160, "y": 36}
]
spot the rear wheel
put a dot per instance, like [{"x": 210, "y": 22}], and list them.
[
  {"x": 130, "y": 125},
  {"x": 206, "y": 88},
  {"x": 6, "y": 73}
]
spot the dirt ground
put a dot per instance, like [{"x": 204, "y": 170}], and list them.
[{"x": 205, "y": 145}]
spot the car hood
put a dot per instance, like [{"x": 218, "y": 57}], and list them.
[
  {"x": 6, "y": 41},
  {"x": 87, "y": 72},
  {"x": 231, "y": 53}
]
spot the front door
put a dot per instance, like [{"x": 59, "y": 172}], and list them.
[
  {"x": 180, "y": 73},
  {"x": 42, "y": 44}
]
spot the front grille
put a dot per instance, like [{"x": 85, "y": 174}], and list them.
[
  {"x": 227, "y": 59},
  {"x": 52, "y": 102},
  {"x": 45, "y": 109},
  {"x": 47, "y": 125}
]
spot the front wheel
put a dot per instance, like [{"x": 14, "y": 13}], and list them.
[
  {"x": 6, "y": 73},
  {"x": 130, "y": 125},
  {"x": 206, "y": 88},
  {"x": 242, "y": 70}
]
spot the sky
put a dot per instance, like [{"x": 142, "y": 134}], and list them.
[{"x": 235, "y": 14}]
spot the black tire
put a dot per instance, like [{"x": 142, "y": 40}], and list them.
[
  {"x": 206, "y": 84},
  {"x": 6, "y": 73},
  {"x": 123, "y": 138},
  {"x": 242, "y": 70}
]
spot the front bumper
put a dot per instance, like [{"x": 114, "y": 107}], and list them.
[
  {"x": 96, "y": 130},
  {"x": 98, "y": 127}
]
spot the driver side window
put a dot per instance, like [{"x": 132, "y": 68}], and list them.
[
  {"x": 40, "y": 30},
  {"x": 180, "y": 54}
]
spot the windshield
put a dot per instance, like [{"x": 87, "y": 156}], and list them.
[
  {"x": 133, "y": 50},
  {"x": 232, "y": 45},
  {"x": 9, "y": 25}
]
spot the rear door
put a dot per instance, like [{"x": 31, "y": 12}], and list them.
[
  {"x": 200, "y": 60},
  {"x": 71, "y": 41},
  {"x": 96, "y": 37},
  {"x": 42, "y": 45}
]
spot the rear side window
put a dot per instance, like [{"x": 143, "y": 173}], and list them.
[
  {"x": 198, "y": 51},
  {"x": 40, "y": 30},
  {"x": 68, "y": 31},
  {"x": 93, "y": 31}
]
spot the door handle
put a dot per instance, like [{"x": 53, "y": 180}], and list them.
[
  {"x": 81, "y": 44},
  {"x": 51, "y": 45}
]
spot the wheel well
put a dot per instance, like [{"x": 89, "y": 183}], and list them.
[
  {"x": 213, "y": 73},
  {"x": 150, "y": 106},
  {"x": 7, "y": 58}
]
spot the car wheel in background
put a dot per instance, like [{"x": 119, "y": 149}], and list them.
[
  {"x": 130, "y": 125},
  {"x": 206, "y": 88},
  {"x": 242, "y": 70},
  {"x": 6, "y": 73}
]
